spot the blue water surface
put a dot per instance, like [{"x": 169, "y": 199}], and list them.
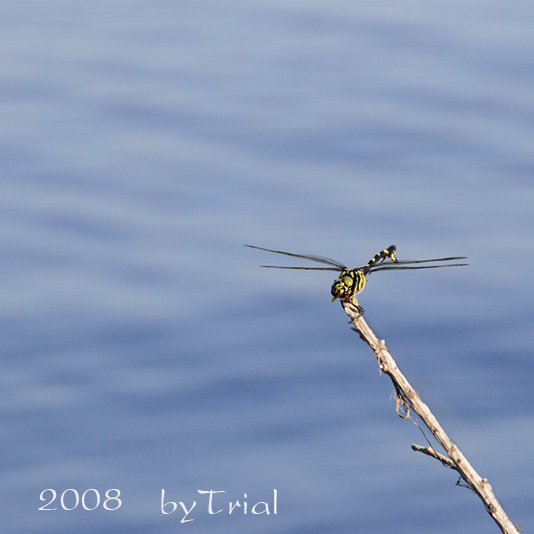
[{"x": 143, "y": 349}]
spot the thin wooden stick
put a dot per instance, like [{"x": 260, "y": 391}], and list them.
[{"x": 411, "y": 400}]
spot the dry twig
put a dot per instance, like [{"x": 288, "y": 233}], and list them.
[{"x": 411, "y": 400}]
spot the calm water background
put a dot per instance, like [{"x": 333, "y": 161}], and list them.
[{"x": 143, "y": 348}]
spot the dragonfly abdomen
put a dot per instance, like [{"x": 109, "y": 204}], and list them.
[{"x": 381, "y": 256}]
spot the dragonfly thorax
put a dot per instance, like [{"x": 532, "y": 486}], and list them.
[{"x": 350, "y": 283}]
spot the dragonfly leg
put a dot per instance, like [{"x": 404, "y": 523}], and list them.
[{"x": 354, "y": 302}]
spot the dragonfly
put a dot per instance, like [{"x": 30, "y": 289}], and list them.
[{"x": 351, "y": 282}]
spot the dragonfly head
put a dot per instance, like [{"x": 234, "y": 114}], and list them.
[{"x": 349, "y": 283}]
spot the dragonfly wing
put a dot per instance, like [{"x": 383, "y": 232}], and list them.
[
  {"x": 320, "y": 259},
  {"x": 393, "y": 267},
  {"x": 408, "y": 262},
  {"x": 337, "y": 269}
]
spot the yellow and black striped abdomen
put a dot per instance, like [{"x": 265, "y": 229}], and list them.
[
  {"x": 381, "y": 256},
  {"x": 349, "y": 284}
]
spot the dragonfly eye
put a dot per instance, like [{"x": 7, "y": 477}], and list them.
[{"x": 347, "y": 280}]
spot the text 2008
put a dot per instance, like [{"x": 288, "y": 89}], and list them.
[{"x": 89, "y": 500}]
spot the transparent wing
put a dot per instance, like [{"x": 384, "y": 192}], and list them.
[
  {"x": 406, "y": 262},
  {"x": 404, "y": 265},
  {"x": 337, "y": 269},
  {"x": 335, "y": 265}
]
